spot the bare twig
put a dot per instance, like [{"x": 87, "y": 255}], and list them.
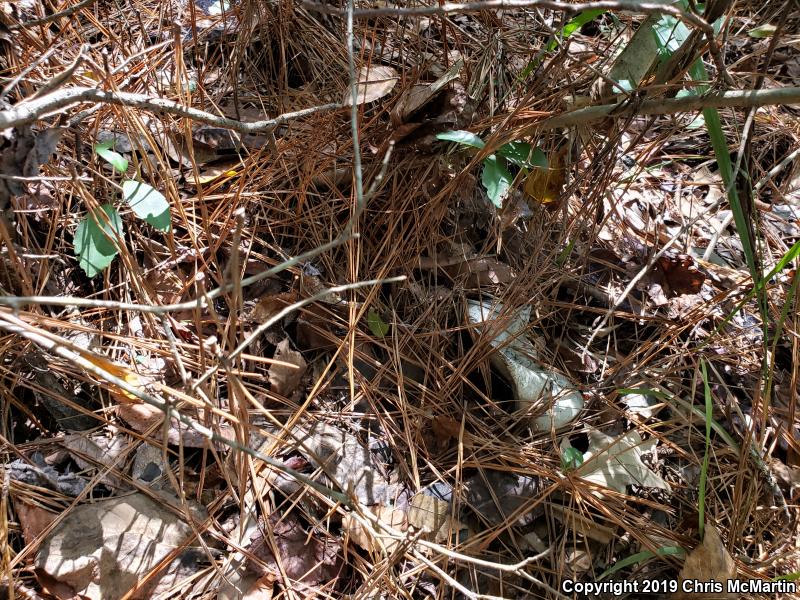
[
  {"x": 667, "y": 106},
  {"x": 16, "y": 302},
  {"x": 29, "y": 111},
  {"x": 55, "y": 16},
  {"x": 449, "y": 8}
]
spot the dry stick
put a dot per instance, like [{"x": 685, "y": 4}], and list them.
[
  {"x": 54, "y": 17},
  {"x": 666, "y": 106},
  {"x": 16, "y": 302},
  {"x": 448, "y": 8},
  {"x": 29, "y": 111}
]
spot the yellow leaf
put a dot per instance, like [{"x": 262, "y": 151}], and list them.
[
  {"x": 130, "y": 377},
  {"x": 545, "y": 185}
]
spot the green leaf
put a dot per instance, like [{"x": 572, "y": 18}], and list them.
[
  {"x": 571, "y": 458},
  {"x": 522, "y": 155},
  {"x": 115, "y": 159},
  {"x": 149, "y": 204},
  {"x": 377, "y": 326},
  {"x": 573, "y": 25},
  {"x": 762, "y": 31},
  {"x": 465, "y": 138},
  {"x": 635, "y": 559},
  {"x": 670, "y": 35},
  {"x": 94, "y": 239},
  {"x": 496, "y": 180}
]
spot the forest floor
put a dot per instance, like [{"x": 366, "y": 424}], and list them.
[{"x": 465, "y": 336}]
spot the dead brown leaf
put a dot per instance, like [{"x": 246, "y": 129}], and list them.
[
  {"x": 374, "y": 82},
  {"x": 285, "y": 376},
  {"x": 33, "y": 519},
  {"x": 709, "y": 561},
  {"x": 304, "y": 558}
]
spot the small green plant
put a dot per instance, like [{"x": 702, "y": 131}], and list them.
[
  {"x": 571, "y": 458},
  {"x": 497, "y": 178},
  {"x": 377, "y": 326},
  {"x": 95, "y": 238}
]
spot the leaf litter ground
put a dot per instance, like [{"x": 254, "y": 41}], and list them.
[{"x": 403, "y": 463}]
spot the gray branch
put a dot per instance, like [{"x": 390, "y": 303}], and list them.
[
  {"x": 668, "y": 106},
  {"x": 28, "y": 111}
]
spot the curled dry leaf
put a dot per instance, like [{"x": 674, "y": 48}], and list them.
[
  {"x": 709, "y": 561},
  {"x": 285, "y": 376},
  {"x": 374, "y": 82}
]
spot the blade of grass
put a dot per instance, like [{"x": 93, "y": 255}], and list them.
[
  {"x": 641, "y": 557},
  {"x": 701, "y": 503}
]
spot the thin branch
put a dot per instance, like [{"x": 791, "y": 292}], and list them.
[
  {"x": 54, "y": 17},
  {"x": 29, "y": 111},
  {"x": 449, "y": 8},
  {"x": 16, "y": 302},
  {"x": 667, "y": 106}
]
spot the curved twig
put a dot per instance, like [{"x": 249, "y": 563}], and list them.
[{"x": 28, "y": 111}]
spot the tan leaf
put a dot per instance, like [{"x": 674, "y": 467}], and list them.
[
  {"x": 374, "y": 82},
  {"x": 372, "y": 540},
  {"x": 285, "y": 376},
  {"x": 432, "y": 515},
  {"x": 709, "y": 561},
  {"x": 418, "y": 95}
]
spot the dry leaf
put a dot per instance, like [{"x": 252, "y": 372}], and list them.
[
  {"x": 709, "y": 561},
  {"x": 224, "y": 170},
  {"x": 285, "y": 376},
  {"x": 303, "y": 557},
  {"x": 617, "y": 463},
  {"x": 374, "y": 82},
  {"x": 33, "y": 519},
  {"x": 375, "y": 540},
  {"x": 417, "y": 96},
  {"x": 104, "y": 549},
  {"x": 433, "y": 516}
]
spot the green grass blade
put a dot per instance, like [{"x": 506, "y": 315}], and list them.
[
  {"x": 641, "y": 557},
  {"x": 701, "y": 507}
]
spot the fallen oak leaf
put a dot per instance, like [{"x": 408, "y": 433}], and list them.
[
  {"x": 710, "y": 561},
  {"x": 285, "y": 374}
]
